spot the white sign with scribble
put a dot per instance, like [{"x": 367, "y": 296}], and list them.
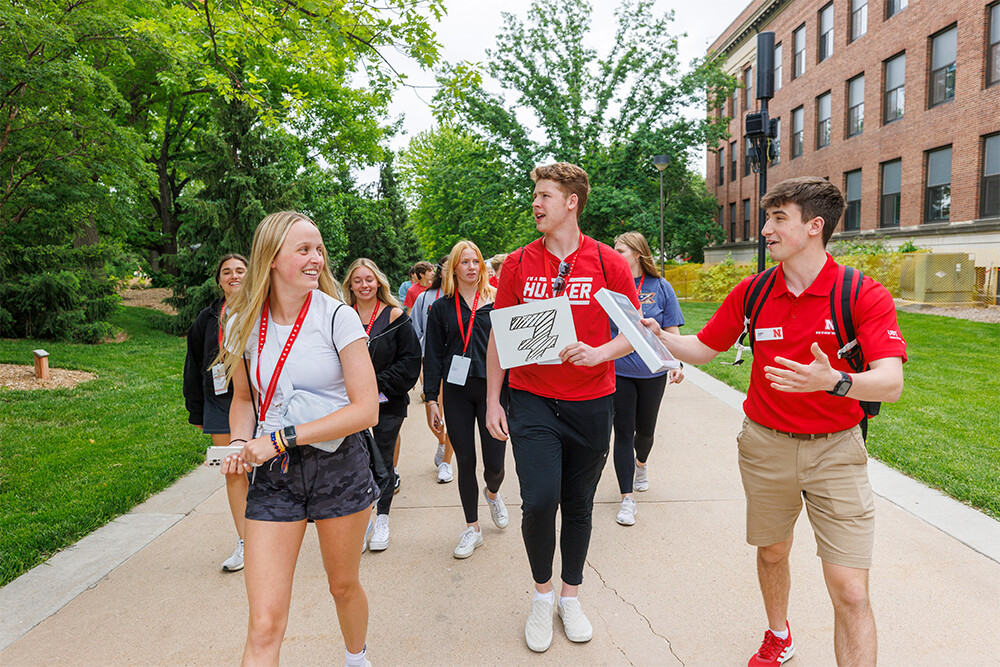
[{"x": 533, "y": 332}]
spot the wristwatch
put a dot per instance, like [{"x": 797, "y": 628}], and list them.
[
  {"x": 290, "y": 436},
  {"x": 843, "y": 385}
]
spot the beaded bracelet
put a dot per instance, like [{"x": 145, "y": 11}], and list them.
[{"x": 279, "y": 448}]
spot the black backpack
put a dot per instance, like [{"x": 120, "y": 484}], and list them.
[{"x": 843, "y": 296}]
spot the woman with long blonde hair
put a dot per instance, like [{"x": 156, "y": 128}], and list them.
[
  {"x": 638, "y": 393},
  {"x": 285, "y": 337},
  {"x": 395, "y": 353},
  {"x": 458, "y": 332}
]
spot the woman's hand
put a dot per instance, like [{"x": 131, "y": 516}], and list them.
[
  {"x": 257, "y": 451},
  {"x": 434, "y": 420},
  {"x": 234, "y": 465},
  {"x": 675, "y": 376}
]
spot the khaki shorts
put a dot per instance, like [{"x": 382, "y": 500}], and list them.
[{"x": 829, "y": 473}]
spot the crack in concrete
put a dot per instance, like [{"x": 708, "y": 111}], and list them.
[
  {"x": 670, "y": 646},
  {"x": 613, "y": 642}
]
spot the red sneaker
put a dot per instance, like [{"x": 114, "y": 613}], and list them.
[{"x": 773, "y": 651}]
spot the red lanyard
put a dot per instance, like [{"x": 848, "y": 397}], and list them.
[
  {"x": 221, "y": 313},
  {"x": 641, "y": 281},
  {"x": 458, "y": 314},
  {"x": 437, "y": 295},
  {"x": 548, "y": 269},
  {"x": 368, "y": 328},
  {"x": 284, "y": 352}
]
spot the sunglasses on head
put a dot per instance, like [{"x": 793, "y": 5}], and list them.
[{"x": 559, "y": 284}]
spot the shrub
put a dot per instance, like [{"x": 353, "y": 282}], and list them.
[{"x": 719, "y": 280}]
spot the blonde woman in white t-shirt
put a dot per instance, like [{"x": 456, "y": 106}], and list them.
[{"x": 289, "y": 298}]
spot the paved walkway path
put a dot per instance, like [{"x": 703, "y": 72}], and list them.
[{"x": 678, "y": 588}]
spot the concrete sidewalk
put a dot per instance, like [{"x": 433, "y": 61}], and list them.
[{"x": 678, "y": 588}]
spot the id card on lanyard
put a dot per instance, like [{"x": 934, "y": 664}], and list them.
[{"x": 460, "y": 364}]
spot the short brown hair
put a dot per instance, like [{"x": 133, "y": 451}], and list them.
[
  {"x": 572, "y": 180},
  {"x": 420, "y": 268},
  {"x": 817, "y": 197}
]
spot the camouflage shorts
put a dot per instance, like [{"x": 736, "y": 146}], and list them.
[{"x": 318, "y": 485}]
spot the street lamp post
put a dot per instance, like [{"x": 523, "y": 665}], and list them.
[{"x": 661, "y": 162}]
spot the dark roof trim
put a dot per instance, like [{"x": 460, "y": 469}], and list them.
[{"x": 752, "y": 26}]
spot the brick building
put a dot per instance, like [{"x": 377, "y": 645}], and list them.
[{"x": 895, "y": 101}]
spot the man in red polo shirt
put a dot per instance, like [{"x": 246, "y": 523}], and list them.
[
  {"x": 560, "y": 415},
  {"x": 424, "y": 272},
  {"x": 801, "y": 438}
]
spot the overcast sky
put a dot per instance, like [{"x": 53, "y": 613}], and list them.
[{"x": 470, "y": 27}]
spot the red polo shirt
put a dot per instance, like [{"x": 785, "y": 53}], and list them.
[
  {"x": 523, "y": 278},
  {"x": 416, "y": 289},
  {"x": 788, "y": 326}
]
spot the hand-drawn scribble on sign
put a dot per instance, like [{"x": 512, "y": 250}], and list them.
[
  {"x": 533, "y": 332},
  {"x": 541, "y": 338}
]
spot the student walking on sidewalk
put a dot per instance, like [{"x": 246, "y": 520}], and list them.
[
  {"x": 395, "y": 353},
  {"x": 285, "y": 339},
  {"x": 559, "y": 416},
  {"x": 458, "y": 330},
  {"x": 638, "y": 393},
  {"x": 802, "y": 439}
]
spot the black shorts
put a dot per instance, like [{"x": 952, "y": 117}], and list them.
[
  {"x": 318, "y": 485},
  {"x": 215, "y": 414}
]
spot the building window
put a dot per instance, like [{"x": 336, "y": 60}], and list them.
[
  {"x": 943, "y": 51},
  {"x": 859, "y": 18},
  {"x": 775, "y": 156},
  {"x": 748, "y": 89},
  {"x": 989, "y": 205},
  {"x": 734, "y": 103},
  {"x": 746, "y": 156},
  {"x": 823, "y": 121},
  {"x": 852, "y": 216},
  {"x": 722, "y": 166},
  {"x": 777, "y": 66},
  {"x": 746, "y": 219},
  {"x": 892, "y": 178},
  {"x": 993, "y": 50},
  {"x": 893, "y": 7},
  {"x": 825, "y": 32},
  {"x": 798, "y": 125},
  {"x": 895, "y": 88},
  {"x": 799, "y": 44},
  {"x": 938, "y": 208},
  {"x": 722, "y": 222},
  {"x": 733, "y": 157},
  {"x": 732, "y": 222},
  {"x": 855, "y": 105}
]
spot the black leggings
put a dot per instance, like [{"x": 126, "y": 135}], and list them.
[
  {"x": 384, "y": 433},
  {"x": 637, "y": 403},
  {"x": 466, "y": 406}
]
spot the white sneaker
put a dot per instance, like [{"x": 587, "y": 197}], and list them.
[
  {"x": 368, "y": 535},
  {"x": 471, "y": 538},
  {"x": 235, "y": 562},
  {"x": 538, "y": 629},
  {"x": 395, "y": 488},
  {"x": 439, "y": 456},
  {"x": 641, "y": 482},
  {"x": 626, "y": 513},
  {"x": 380, "y": 536},
  {"x": 575, "y": 623},
  {"x": 497, "y": 510},
  {"x": 444, "y": 473}
]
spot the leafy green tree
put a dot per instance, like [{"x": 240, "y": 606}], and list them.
[
  {"x": 608, "y": 113},
  {"x": 461, "y": 188}
]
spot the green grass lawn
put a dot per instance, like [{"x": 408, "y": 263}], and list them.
[
  {"x": 74, "y": 459},
  {"x": 945, "y": 429}
]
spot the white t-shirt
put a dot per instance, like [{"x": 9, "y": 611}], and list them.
[{"x": 313, "y": 363}]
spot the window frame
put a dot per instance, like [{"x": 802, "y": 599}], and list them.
[
  {"x": 852, "y": 223},
  {"x": 821, "y": 131},
  {"x": 801, "y": 132},
  {"x": 889, "y": 13},
  {"x": 746, "y": 159},
  {"x": 992, "y": 47},
  {"x": 860, "y": 120},
  {"x": 776, "y": 143},
  {"x": 732, "y": 222},
  {"x": 946, "y": 71},
  {"x": 746, "y": 220},
  {"x": 722, "y": 165},
  {"x": 860, "y": 13},
  {"x": 942, "y": 189},
  {"x": 748, "y": 88},
  {"x": 798, "y": 55},
  {"x": 824, "y": 40},
  {"x": 777, "y": 66},
  {"x": 885, "y": 198},
  {"x": 733, "y": 160},
  {"x": 989, "y": 183},
  {"x": 895, "y": 93}
]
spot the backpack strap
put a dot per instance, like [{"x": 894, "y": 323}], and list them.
[
  {"x": 601, "y": 257},
  {"x": 843, "y": 296},
  {"x": 753, "y": 303},
  {"x": 333, "y": 322}
]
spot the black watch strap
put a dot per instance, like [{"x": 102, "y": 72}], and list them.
[
  {"x": 843, "y": 385},
  {"x": 290, "y": 436}
]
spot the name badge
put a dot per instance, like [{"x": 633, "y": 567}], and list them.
[
  {"x": 219, "y": 379},
  {"x": 459, "y": 371},
  {"x": 769, "y": 333}
]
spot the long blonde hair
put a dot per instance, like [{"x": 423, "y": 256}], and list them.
[
  {"x": 249, "y": 302},
  {"x": 637, "y": 243},
  {"x": 383, "y": 293},
  {"x": 448, "y": 282}
]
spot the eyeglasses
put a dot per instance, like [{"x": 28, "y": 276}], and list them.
[{"x": 559, "y": 284}]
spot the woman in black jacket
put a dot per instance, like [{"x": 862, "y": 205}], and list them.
[
  {"x": 458, "y": 330},
  {"x": 207, "y": 395},
  {"x": 395, "y": 352}
]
